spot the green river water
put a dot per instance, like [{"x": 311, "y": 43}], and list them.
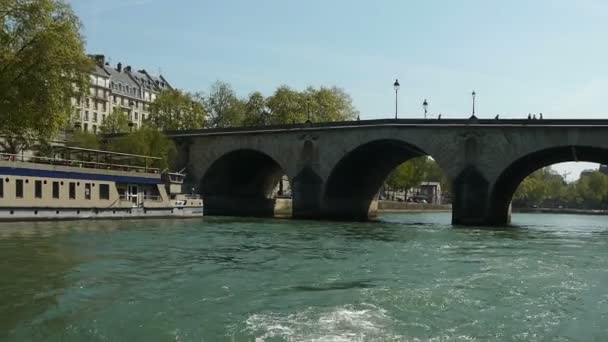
[{"x": 408, "y": 277}]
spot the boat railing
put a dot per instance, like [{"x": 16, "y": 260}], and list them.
[
  {"x": 77, "y": 163},
  {"x": 192, "y": 196},
  {"x": 152, "y": 198}
]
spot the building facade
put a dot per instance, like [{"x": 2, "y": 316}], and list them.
[{"x": 116, "y": 88}]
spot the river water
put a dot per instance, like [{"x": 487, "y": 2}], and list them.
[{"x": 408, "y": 277}]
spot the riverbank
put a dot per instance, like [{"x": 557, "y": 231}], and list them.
[
  {"x": 387, "y": 206},
  {"x": 561, "y": 211}
]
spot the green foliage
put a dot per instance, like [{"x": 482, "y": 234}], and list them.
[
  {"x": 287, "y": 106},
  {"x": 408, "y": 174},
  {"x": 84, "y": 139},
  {"x": 256, "y": 113},
  {"x": 115, "y": 122},
  {"x": 330, "y": 104},
  {"x": 324, "y": 104},
  {"x": 415, "y": 171},
  {"x": 546, "y": 188},
  {"x": 146, "y": 141},
  {"x": 225, "y": 108},
  {"x": 43, "y": 66},
  {"x": 175, "y": 110}
]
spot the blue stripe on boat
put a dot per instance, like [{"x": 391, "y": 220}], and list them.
[{"x": 76, "y": 175}]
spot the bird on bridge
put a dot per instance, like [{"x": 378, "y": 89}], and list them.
[{"x": 439, "y": 117}]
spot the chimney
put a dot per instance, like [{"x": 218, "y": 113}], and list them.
[
  {"x": 119, "y": 67},
  {"x": 128, "y": 68}
]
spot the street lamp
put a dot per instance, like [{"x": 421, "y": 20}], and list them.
[
  {"x": 396, "y": 85},
  {"x": 308, "y": 111},
  {"x": 473, "y": 94},
  {"x": 425, "y": 105}
]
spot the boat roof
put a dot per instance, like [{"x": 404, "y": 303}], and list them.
[{"x": 113, "y": 155}]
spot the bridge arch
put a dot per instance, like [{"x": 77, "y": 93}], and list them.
[
  {"x": 241, "y": 183},
  {"x": 509, "y": 179},
  {"x": 354, "y": 181}
]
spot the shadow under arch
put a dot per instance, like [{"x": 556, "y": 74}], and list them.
[
  {"x": 505, "y": 186},
  {"x": 354, "y": 182},
  {"x": 241, "y": 183}
]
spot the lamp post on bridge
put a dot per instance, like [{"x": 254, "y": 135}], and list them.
[
  {"x": 396, "y": 85},
  {"x": 474, "y": 94},
  {"x": 425, "y": 105}
]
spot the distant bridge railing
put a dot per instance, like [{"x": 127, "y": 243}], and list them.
[{"x": 392, "y": 123}]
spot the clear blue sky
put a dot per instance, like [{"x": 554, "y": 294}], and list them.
[{"x": 520, "y": 56}]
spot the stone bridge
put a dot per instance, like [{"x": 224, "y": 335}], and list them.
[{"x": 336, "y": 169}]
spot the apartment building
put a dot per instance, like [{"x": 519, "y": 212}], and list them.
[{"x": 120, "y": 88}]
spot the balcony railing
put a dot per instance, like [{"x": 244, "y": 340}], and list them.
[{"x": 77, "y": 163}]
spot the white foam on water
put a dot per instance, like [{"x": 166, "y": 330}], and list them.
[{"x": 363, "y": 322}]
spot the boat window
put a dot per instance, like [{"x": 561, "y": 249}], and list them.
[
  {"x": 72, "y": 190},
  {"x": 1, "y": 188},
  {"x": 55, "y": 189},
  {"x": 19, "y": 188},
  {"x": 104, "y": 191},
  {"x": 38, "y": 189},
  {"x": 87, "y": 191}
]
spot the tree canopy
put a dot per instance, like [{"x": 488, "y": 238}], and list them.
[
  {"x": 415, "y": 171},
  {"x": 225, "y": 108},
  {"x": 43, "y": 66},
  {"x": 547, "y": 188},
  {"x": 115, "y": 122},
  {"x": 174, "y": 109},
  {"x": 146, "y": 141}
]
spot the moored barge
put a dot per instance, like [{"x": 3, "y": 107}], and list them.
[{"x": 77, "y": 183}]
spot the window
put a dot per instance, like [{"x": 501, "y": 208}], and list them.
[
  {"x": 38, "y": 189},
  {"x": 104, "y": 191},
  {"x": 1, "y": 188},
  {"x": 136, "y": 116},
  {"x": 103, "y": 117},
  {"x": 19, "y": 188},
  {"x": 103, "y": 106},
  {"x": 88, "y": 103},
  {"x": 86, "y": 127},
  {"x": 72, "y": 190},
  {"x": 86, "y": 115},
  {"x": 55, "y": 189},
  {"x": 94, "y": 116},
  {"x": 95, "y": 129},
  {"x": 87, "y": 191}
]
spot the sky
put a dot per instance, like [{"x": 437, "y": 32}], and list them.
[{"x": 520, "y": 56}]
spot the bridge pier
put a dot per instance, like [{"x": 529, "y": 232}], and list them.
[
  {"x": 471, "y": 201},
  {"x": 306, "y": 192}
]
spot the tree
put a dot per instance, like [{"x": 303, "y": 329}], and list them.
[
  {"x": 84, "y": 139},
  {"x": 330, "y": 104},
  {"x": 287, "y": 106},
  {"x": 322, "y": 105},
  {"x": 174, "y": 109},
  {"x": 146, "y": 141},
  {"x": 225, "y": 108},
  {"x": 115, "y": 122},
  {"x": 408, "y": 175},
  {"x": 256, "y": 113},
  {"x": 43, "y": 66}
]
